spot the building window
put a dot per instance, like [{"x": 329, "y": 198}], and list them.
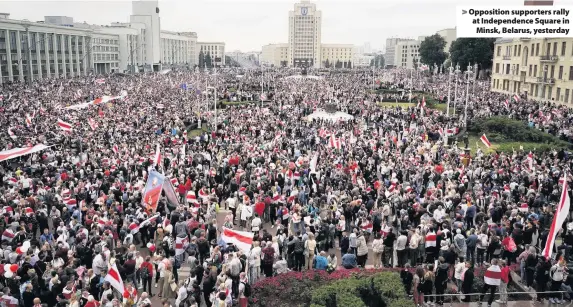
[
  {"x": 548, "y": 51},
  {"x": 535, "y": 71},
  {"x": 537, "y": 49},
  {"x": 552, "y": 71},
  {"x": 530, "y": 67},
  {"x": 563, "y": 48},
  {"x": 532, "y": 49},
  {"x": 555, "y": 48},
  {"x": 570, "y": 73},
  {"x": 498, "y": 50},
  {"x": 558, "y": 98},
  {"x": 566, "y": 95},
  {"x": 560, "y": 72}
]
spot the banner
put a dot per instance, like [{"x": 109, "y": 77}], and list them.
[
  {"x": 156, "y": 183},
  {"x": 17, "y": 152},
  {"x": 152, "y": 191}
]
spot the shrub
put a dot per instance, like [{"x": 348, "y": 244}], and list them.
[
  {"x": 298, "y": 288},
  {"x": 381, "y": 289}
]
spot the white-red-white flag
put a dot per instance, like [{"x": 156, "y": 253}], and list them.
[
  {"x": 485, "y": 141},
  {"x": 242, "y": 239},
  {"x": 561, "y": 213},
  {"x": 28, "y": 121},
  {"x": 530, "y": 160},
  {"x": 64, "y": 126},
  {"x": 92, "y": 123},
  {"x": 157, "y": 158},
  {"x": 114, "y": 278},
  {"x": 180, "y": 245},
  {"x": 11, "y": 134}
]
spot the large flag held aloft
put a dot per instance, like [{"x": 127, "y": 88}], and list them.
[{"x": 561, "y": 213}]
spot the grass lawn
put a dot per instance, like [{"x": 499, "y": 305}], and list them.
[
  {"x": 197, "y": 132},
  {"x": 474, "y": 142},
  {"x": 390, "y": 104}
]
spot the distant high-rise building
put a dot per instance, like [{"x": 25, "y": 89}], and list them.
[
  {"x": 389, "y": 57},
  {"x": 304, "y": 39}
]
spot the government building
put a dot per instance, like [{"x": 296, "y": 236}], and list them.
[
  {"x": 541, "y": 68},
  {"x": 305, "y": 47},
  {"x": 59, "y": 47}
]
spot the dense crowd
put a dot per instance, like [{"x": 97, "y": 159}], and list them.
[{"x": 382, "y": 189}]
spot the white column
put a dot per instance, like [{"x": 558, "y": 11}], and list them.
[
  {"x": 70, "y": 56},
  {"x": 19, "y": 52},
  {"x": 9, "y": 56},
  {"x": 85, "y": 57},
  {"x": 56, "y": 65},
  {"x": 38, "y": 53},
  {"x": 30, "y": 68},
  {"x": 47, "y": 54},
  {"x": 78, "y": 69},
  {"x": 63, "y": 46}
]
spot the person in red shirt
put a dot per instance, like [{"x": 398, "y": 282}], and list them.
[
  {"x": 92, "y": 302},
  {"x": 146, "y": 280},
  {"x": 505, "y": 271}
]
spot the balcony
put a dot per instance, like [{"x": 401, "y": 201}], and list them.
[
  {"x": 507, "y": 57},
  {"x": 549, "y": 58},
  {"x": 546, "y": 80}
]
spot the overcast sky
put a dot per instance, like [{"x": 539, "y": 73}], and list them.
[{"x": 248, "y": 25}]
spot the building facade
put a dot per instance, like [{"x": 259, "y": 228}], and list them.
[
  {"x": 406, "y": 53},
  {"x": 337, "y": 55},
  {"x": 59, "y": 47},
  {"x": 304, "y": 37},
  {"x": 540, "y": 68},
  {"x": 178, "y": 49},
  {"x": 449, "y": 36},
  {"x": 216, "y": 50},
  {"x": 275, "y": 55},
  {"x": 390, "y": 51},
  {"x": 41, "y": 50}
]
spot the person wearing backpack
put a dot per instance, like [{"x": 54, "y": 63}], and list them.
[
  {"x": 146, "y": 274},
  {"x": 244, "y": 290}
]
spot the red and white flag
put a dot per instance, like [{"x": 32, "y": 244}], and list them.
[
  {"x": 180, "y": 245},
  {"x": 191, "y": 198},
  {"x": 114, "y": 278},
  {"x": 115, "y": 149},
  {"x": 11, "y": 134},
  {"x": 133, "y": 227},
  {"x": 561, "y": 213},
  {"x": 485, "y": 141},
  {"x": 506, "y": 103},
  {"x": 157, "y": 158},
  {"x": 28, "y": 121},
  {"x": 242, "y": 239},
  {"x": 92, "y": 123},
  {"x": 516, "y": 98},
  {"x": 530, "y": 160},
  {"x": 431, "y": 239},
  {"x": 8, "y": 235},
  {"x": 149, "y": 220},
  {"x": 492, "y": 276},
  {"x": 64, "y": 126},
  {"x": 334, "y": 142}
]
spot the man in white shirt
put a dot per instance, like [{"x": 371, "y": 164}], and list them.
[
  {"x": 232, "y": 204},
  {"x": 256, "y": 224}
]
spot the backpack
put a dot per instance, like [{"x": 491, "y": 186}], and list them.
[
  {"x": 145, "y": 275},
  {"x": 247, "y": 291}
]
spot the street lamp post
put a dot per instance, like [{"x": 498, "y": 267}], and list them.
[
  {"x": 451, "y": 70},
  {"x": 475, "y": 79},
  {"x": 411, "y": 84},
  {"x": 469, "y": 72},
  {"x": 457, "y": 71}
]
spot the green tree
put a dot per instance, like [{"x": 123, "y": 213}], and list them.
[
  {"x": 373, "y": 63},
  {"x": 327, "y": 64},
  {"x": 380, "y": 61},
  {"x": 472, "y": 50},
  {"x": 208, "y": 60},
  {"x": 432, "y": 50},
  {"x": 201, "y": 60}
]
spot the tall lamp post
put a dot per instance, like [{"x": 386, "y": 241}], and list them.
[
  {"x": 475, "y": 79},
  {"x": 457, "y": 71},
  {"x": 468, "y": 72},
  {"x": 451, "y": 70}
]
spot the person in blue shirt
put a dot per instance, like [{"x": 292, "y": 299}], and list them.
[
  {"x": 46, "y": 237},
  {"x": 320, "y": 261},
  {"x": 349, "y": 260}
]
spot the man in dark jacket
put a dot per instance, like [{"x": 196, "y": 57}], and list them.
[{"x": 344, "y": 243}]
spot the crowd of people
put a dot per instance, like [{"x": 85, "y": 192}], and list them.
[{"x": 383, "y": 189}]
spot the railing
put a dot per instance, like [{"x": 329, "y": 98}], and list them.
[
  {"x": 548, "y": 58},
  {"x": 507, "y": 57},
  {"x": 453, "y": 295},
  {"x": 546, "y": 80}
]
